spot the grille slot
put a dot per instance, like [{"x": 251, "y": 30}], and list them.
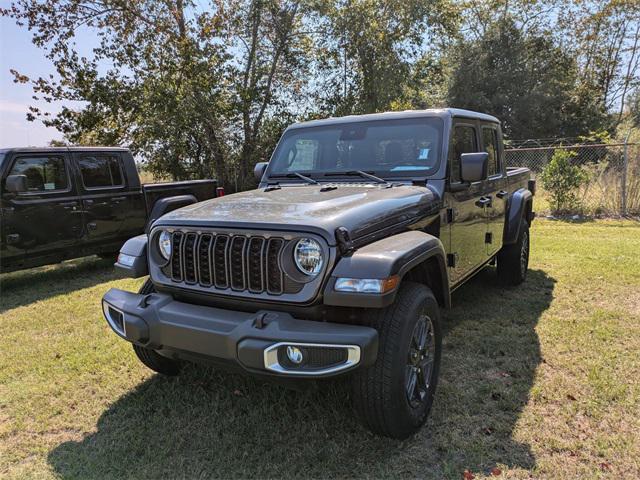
[{"x": 226, "y": 261}]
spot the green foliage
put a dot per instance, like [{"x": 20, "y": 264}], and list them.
[
  {"x": 523, "y": 79},
  {"x": 562, "y": 181}
]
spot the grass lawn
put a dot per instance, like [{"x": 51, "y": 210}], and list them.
[{"x": 542, "y": 380}]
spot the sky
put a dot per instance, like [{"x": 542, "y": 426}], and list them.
[{"x": 17, "y": 52}]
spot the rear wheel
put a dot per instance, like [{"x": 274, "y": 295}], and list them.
[
  {"x": 151, "y": 358},
  {"x": 513, "y": 260},
  {"x": 393, "y": 397}
]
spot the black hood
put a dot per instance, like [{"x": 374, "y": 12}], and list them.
[{"x": 361, "y": 208}]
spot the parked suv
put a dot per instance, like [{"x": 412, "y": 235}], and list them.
[{"x": 339, "y": 263}]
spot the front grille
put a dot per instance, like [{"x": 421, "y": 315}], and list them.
[{"x": 225, "y": 261}]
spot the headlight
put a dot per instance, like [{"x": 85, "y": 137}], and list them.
[
  {"x": 308, "y": 256},
  {"x": 164, "y": 244}
]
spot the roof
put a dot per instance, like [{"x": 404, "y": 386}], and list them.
[
  {"x": 63, "y": 149},
  {"x": 434, "y": 112}
]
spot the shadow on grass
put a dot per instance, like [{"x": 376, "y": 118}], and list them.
[
  {"x": 29, "y": 286},
  {"x": 207, "y": 423}
]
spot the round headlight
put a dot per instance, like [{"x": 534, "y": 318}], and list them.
[
  {"x": 308, "y": 256},
  {"x": 164, "y": 244}
]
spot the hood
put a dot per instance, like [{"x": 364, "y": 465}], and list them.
[{"x": 360, "y": 208}]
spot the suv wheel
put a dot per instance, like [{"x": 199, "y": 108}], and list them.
[
  {"x": 393, "y": 397},
  {"x": 151, "y": 358},
  {"x": 513, "y": 260}
]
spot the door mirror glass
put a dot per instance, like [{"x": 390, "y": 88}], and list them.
[
  {"x": 16, "y": 183},
  {"x": 259, "y": 169},
  {"x": 473, "y": 166}
]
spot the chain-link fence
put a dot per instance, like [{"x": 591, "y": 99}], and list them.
[{"x": 611, "y": 174}]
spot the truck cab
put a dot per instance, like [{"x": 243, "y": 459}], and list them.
[
  {"x": 66, "y": 202},
  {"x": 339, "y": 263}
]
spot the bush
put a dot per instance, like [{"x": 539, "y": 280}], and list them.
[{"x": 562, "y": 181}]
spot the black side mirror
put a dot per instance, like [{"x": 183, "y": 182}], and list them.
[
  {"x": 474, "y": 166},
  {"x": 258, "y": 170},
  {"x": 16, "y": 183}
]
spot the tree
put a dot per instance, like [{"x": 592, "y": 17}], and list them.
[
  {"x": 525, "y": 80},
  {"x": 368, "y": 49},
  {"x": 188, "y": 90}
]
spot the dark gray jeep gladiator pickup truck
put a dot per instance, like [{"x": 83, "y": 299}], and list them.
[
  {"x": 340, "y": 261},
  {"x": 58, "y": 203}
]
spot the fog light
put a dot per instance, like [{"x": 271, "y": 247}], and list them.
[{"x": 294, "y": 354}]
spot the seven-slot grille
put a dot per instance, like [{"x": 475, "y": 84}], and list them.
[{"x": 223, "y": 261}]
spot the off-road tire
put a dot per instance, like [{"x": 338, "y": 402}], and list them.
[
  {"x": 513, "y": 260},
  {"x": 151, "y": 358},
  {"x": 380, "y": 392}
]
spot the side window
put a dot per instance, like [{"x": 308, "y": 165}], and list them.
[
  {"x": 463, "y": 140},
  {"x": 490, "y": 142},
  {"x": 304, "y": 155},
  {"x": 100, "y": 171},
  {"x": 44, "y": 173}
]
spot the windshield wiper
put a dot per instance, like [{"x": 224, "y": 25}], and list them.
[
  {"x": 358, "y": 173},
  {"x": 309, "y": 180}
]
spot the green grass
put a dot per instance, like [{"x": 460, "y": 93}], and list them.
[{"x": 540, "y": 380}]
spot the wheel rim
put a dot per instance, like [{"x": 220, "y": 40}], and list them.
[
  {"x": 524, "y": 254},
  {"x": 420, "y": 361}
]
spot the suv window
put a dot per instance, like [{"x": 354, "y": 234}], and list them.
[
  {"x": 490, "y": 142},
  {"x": 463, "y": 140},
  {"x": 100, "y": 171},
  {"x": 44, "y": 173}
]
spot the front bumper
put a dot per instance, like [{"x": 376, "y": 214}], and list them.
[{"x": 255, "y": 341}]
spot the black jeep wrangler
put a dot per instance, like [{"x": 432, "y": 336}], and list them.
[{"x": 340, "y": 261}]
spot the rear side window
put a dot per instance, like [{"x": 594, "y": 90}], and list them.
[
  {"x": 44, "y": 173},
  {"x": 463, "y": 140},
  {"x": 100, "y": 171},
  {"x": 490, "y": 142}
]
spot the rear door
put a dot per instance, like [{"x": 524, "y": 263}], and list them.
[
  {"x": 496, "y": 187},
  {"x": 467, "y": 216},
  {"x": 47, "y": 218},
  {"x": 104, "y": 197}
]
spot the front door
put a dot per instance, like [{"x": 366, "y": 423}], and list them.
[
  {"x": 47, "y": 218},
  {"x": 467, "y": 213},
  {"x": 104, "y": 198}
]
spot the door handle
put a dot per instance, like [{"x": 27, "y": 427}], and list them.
[
  {"x": 13, "y": 238},
  {"x": 118, "y": 199},
  {"x": 92, "y": 226},
  {"x": 69, "y": 205},
  {"x": 502, "y": 194},
  {"x": 88, "y": 202},
  {"x": 483, "y": 202}
]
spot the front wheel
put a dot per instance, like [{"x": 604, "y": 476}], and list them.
[
  {"x": 149, "y": 357},
  {"x": 393, "y": 397}
]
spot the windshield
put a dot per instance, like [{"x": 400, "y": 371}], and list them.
[{"x": 386, "y": 148}]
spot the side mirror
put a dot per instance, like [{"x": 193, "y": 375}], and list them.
[
  {"x": 259, "y": 169},
  {"x": 474, "y": 166},
  {"x": 16, "y": 183}
]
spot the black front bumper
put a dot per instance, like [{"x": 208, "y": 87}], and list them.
[{"x": 252, "y": 340}]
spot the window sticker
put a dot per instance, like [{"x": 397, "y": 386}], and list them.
[
  {"x": 424, "y": 154},
  {"x": 49, "y": 186}
]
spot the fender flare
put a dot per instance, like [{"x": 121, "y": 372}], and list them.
[
  {"x": 166, "y": 205},
  {"x": 395, "y": 255},
  {"x": 132, "y": 259},
  {"x": 519, "y": 208}
]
